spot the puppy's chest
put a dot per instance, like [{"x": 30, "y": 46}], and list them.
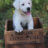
[
  {"x": 24, "y": 23},
  {"x": 24, "y": 20}
]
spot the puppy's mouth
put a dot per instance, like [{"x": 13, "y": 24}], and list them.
[{"x": 27, "y": 13}]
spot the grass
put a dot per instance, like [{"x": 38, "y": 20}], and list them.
[{"x": 2, "y": 42}]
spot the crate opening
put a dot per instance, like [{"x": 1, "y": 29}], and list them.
[{"x": 37, "y": 24}]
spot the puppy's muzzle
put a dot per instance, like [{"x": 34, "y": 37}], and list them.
[{"x": 28, "y": 9}]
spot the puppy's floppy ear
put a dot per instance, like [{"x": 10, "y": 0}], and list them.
[{"x": 16, "y": 4}]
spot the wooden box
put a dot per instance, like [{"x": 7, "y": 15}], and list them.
[{"x": 26, "y": 39}]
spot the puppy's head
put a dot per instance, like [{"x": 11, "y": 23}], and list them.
[{"x": 23, "y": 5}]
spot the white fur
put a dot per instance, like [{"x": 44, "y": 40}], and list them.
[{"x": 18, "y": 18}]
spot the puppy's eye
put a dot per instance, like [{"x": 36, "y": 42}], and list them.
[
  {"x": 28, "y": 3},
  {"x": 22, "y": 4}
]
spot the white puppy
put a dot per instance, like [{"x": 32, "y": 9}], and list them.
[{"x": 22, "y": 15}]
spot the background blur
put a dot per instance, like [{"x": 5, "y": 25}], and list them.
[{"x": 39, "y": 9}]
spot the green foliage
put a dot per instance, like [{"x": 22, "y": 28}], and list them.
[
  {"x": 38, "y": 4},
  {"x": 8, "y": 2},
  {"x": 3, "y": 17},
  {"x": 5, "y": 3}
]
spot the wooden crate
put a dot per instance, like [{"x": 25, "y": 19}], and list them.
[{"x": 26, "y": 39}]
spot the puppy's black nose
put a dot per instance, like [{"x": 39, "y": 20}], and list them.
[{"x": 28, "y": 9}]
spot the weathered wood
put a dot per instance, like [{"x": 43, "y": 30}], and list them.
[
  {"x": 34, "y": 36},
  {"x": 27, "y": 46}
]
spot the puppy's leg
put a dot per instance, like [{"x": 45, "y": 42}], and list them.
[
  {"x": 17, "y": 27},
  {"x": 30, "y": 25}
]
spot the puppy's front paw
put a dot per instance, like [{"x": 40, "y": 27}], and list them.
[{"x": 19, "y": 29}]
